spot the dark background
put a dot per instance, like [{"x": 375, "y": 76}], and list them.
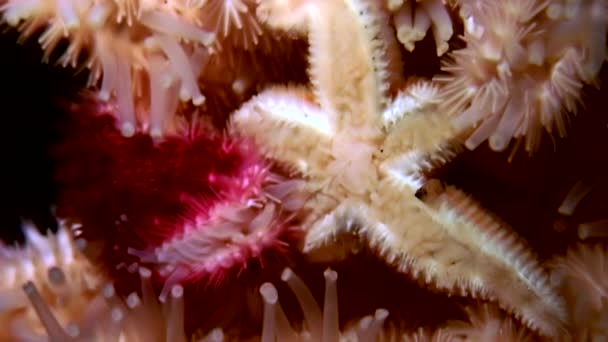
[{"x": 28, "y": 107}]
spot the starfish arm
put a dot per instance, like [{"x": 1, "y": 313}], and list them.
[
  {"x": 329, "y": 227},
  {"x": 449, "y": 243},
  {"x": 413, "y": 121},
  {"x": 349, "y": 60},
  {"x": 287, "y": 126},
  {"x": 478, "y": 252},
  {"x": 406, "y": 170},
  {"x": 411, "y": 100},
  {"x": 327, "y": 238}
]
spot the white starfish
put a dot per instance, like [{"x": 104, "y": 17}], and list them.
[{"x": 363, "y": 153}]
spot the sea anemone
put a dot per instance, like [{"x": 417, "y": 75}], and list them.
[
  {"x": 53, "y": 270},
  {"x": 320, "y": 325},
  {"x": 524, "y": 66},
  {"x": 52, "y": 290},
  {"x": 146, "y": 57},
  {"x": 587, "y": 229},
  {"x": 110, "y": 319},
  {"x": 413, "y": 18},
  {"x": 57, "y": 305},
  {"x": 146, "y": 54},
  {"x": 191, "y": 209},
  {"x": 233, "y": 21},
  {"x": 581, "y": 277}
]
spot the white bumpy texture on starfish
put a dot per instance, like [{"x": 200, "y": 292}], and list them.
[{"x": 363, "y": 153}]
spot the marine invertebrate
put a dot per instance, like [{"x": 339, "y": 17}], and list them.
[
  {"x": 363, "y": 154},
  {"x": 412, "y": 19},
  {"x": 253, "y": 214},
  {"x": 147, "y": 57},
  {"x": 157, "y": 173},
  {"x": 233, "y": 21},
  {"x": 195, "y": 209},
  {"x": 320, "y": 325},
  {"x": 109, "y": 318},
  {"x": 590, "y": 228},
  {"x": 487, "y": 323},
  {"x": 55, "y": 265},
  {"x": 147, "y": 54},
  {"x": 523, "y": 68},
  {"x": 60, "y": 307},
  {"x": 581, "y": 277},
  {"x": 51, "y": 291}
]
